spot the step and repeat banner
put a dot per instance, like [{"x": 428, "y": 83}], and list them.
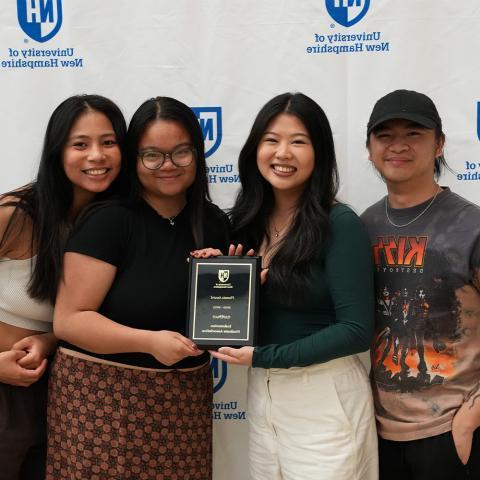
[{"x": 226, "y": 58}]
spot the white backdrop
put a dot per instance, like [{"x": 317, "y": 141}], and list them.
[{"x": 227, "y": 58}]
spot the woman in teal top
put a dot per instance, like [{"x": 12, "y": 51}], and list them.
[{"x": 309, "y": 400}]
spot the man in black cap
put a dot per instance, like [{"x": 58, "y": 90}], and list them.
[{"x": 426, "y": 242}]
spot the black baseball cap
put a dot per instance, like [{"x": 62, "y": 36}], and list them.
[{"x": 406, "y": 105}]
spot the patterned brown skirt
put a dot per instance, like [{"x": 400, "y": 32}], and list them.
[{"x": 112, "y": 422}]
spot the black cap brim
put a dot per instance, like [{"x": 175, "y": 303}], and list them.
[{"x": 413, "y": 117}]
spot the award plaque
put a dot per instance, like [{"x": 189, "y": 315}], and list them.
[{"x": 223, "y": 301}]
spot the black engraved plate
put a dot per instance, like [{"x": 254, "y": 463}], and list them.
[{"x": 223, "y": 301}]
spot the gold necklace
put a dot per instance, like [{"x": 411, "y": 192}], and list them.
[
  {"x": 277, "y": 232},
  {"x": 281, "y": 230}
]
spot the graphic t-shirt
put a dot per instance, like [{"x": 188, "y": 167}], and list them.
[{"x": 426, "y": 351}]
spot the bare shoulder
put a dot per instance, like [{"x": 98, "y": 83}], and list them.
[
  {"x": 6, "y": 212},
  {"x": 15, "y": 228}
]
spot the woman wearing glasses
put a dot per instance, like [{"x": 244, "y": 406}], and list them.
[
  {"x": 130, "y": 394},
  {"x": 80, "y": 162}
]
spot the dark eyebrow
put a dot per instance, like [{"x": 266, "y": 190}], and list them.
[
  {"x": 292, "y": 135},
  {"x": 269, "y": 133},
  {"x": 155, "y": 149},
  {"x": 301, "y": 134},
  {"x": 81, "y": 136}
]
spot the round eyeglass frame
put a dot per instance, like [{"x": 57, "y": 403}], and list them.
[{"x": 168, "y": 155}]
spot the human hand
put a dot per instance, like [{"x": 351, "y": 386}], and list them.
[
  {"x": 206, "y": 253},
  {"x": 37, "y": 348},
  {"x": 263, "y": 275},
  {"x": 170, "y": 347},
  {"x": 233, "y": 250},
  {"x": 237, "y": 250},
  {"x": 465, "y": 422},
  {"x": 235, "y": 356},
  {"x": 14, "y": 374}
]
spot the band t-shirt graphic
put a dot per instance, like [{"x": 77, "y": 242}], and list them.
[{"x": 426, "y": 350}]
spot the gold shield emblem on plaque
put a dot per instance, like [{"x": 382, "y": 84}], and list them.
[{"x": 223, "y": 275}]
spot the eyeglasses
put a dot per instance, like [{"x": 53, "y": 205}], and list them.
[{"x": 180, "y": 157}]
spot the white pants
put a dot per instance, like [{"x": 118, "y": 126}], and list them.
[{"x": 312, "y": 423}]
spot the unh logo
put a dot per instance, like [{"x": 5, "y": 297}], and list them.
[
  {"x": 40, "y": 19},
  {"x": 223, "y": 275},
  {"x": 210, "y": 119},
  {"x": 347, "y": 12},
  {"x": 219, "y": 372}
]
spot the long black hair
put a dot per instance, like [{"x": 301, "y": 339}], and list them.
[
  {"x": 48, "y": 200},
  {"x": 290, "y": 268},
  {"x": 167, "y": 108}
]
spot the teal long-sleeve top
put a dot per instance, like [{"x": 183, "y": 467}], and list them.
[{"x": 335, "y": 317}]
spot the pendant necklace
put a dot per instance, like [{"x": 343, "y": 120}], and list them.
[
  {"x": 414, "y": 219},
  {"x": 171, "y": 219},
  {"x": 277, "y": 231}
]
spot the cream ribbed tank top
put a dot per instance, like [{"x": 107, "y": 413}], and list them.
[{"x": 16, "y": 306}]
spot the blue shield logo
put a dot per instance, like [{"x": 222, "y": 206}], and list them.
[
  {"x": 40, "y": 19},
  {"x": 478, "y": 120},
  {"x": 219, "y": 371},
  {"x": 347, "y": 12},
  {"x": 210, "y": 119}
]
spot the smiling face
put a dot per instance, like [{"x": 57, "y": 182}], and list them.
[
  {"x": 91, "y": 157},
  {"x": 168, "y": 183},
  {"x": 285, "y": 155},
  {"x": 404, "y": 152}
]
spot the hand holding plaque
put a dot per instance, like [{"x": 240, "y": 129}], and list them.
[{"x": 223, "y": 301}]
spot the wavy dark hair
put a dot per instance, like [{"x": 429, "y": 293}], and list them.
[
  {"x": 48, "y": 200},
  {"x": 167, "y": 108},
  {"x": 290, "y": 268}
]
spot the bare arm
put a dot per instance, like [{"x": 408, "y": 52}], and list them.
[
  {"x": 15, "y": 231},
  {"x": 465, "y": 422},
  {"x": 467, "y": 418},
  {"x": 5, "y": 215},
  {"x": 86, "y": 282}
]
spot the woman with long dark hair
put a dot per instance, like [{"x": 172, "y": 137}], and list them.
[
  {"x": 130, "y": 394},
  {"x": 80, "y": 162},
  {"x": 309, "y": 400}
]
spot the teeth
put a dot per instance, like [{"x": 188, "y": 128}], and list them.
[
  {"x": 283, "y": 168},
  {"x": 96, "y": 171}
]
